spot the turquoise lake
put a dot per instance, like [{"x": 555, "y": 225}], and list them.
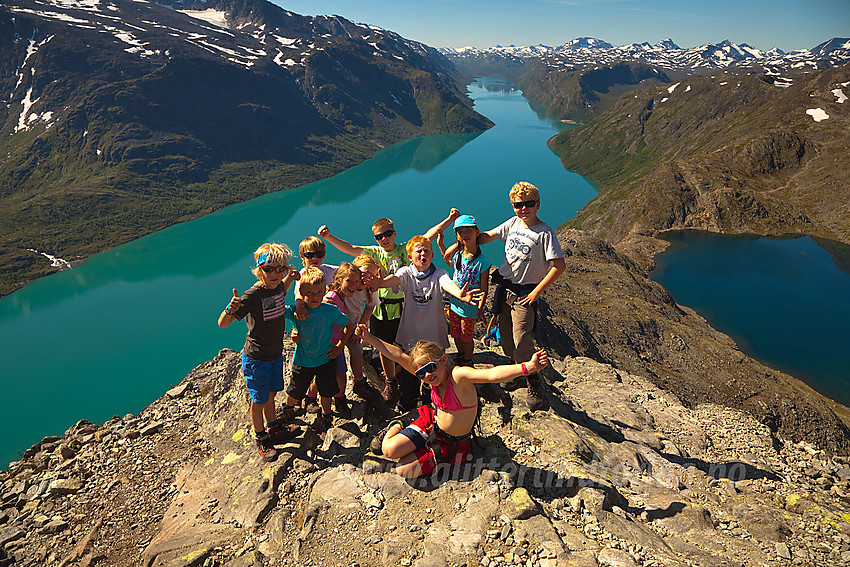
[
  {"x": 785, "y": 302},
  {"x": 111, "y": 335}
]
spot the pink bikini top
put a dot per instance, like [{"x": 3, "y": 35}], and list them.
[{"x": 450, "y": 402}]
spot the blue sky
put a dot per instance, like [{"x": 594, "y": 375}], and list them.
[{"x": 787, "y": 24}]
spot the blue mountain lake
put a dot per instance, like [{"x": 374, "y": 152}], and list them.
[{"x": 785, "y": 302}]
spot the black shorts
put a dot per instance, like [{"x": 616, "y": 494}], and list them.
[
  {"x": 384, "y": 329},
  {"x": 325, "y": 376}
]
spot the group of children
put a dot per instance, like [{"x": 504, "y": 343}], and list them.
[{"x": 399, "y": 291}]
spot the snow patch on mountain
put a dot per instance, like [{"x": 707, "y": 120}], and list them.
[
  {"x": 212, "y": 16},
  {"x": 817, "y": 114}
]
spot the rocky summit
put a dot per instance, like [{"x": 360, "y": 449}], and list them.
[{"x": 613, "y": 472}]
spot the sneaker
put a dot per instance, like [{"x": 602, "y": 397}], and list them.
[
  {"x": 279, "y": 433},
  {"x": 265, "y": 447},
  {"x": 311, "y": 405},
  {"x": 390, "y": 392},
  {"x": 362, "y": 389},
  {"x": 534, "y": 397},
  {"x": 342, "y": 408},
  {"x": 286, "y": 414},
  {"x": 323, "y": 423}
]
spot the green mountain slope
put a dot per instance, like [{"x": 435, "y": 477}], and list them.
[
  {"x": 724, "y": 153},
  {"x": 121, "y": 121},
  {"x": 582, "y": 93}
]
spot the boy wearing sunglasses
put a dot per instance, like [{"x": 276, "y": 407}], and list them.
[
  {"x": 392, "y": 256},
  {"x": 262, "y": 307},
  {"x": 533, "y": 260},
  {"x": 440, "y": 434},
  {"x": 312, "y": 253}
]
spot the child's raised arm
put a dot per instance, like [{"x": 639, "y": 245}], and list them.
[
  {"x": 448, "y": 253},
  {"x": 432, "y": 232},
  {"x": 390, "y": 351},
  {"x": 486, "y": 237},
  {"x": 339, "y": 243},
  {"x": 292, "y": 275},
  {"x": 391, "y": 280},
  {"x": 228, "y": 315},
  {"x": 504, "y": 372}
]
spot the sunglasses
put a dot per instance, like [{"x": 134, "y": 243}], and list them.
[
  {"x": 278, "y": 269},
  {"x": 385, "y": 234},
  {"x": 524, "y": 204},
  {"x": 311, "y": 255},
  {"x": 430, "y": 367}
]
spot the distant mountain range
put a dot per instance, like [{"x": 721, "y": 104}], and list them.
[
  {"x": 121, "y": 117},
  {"x": 667, "y": 55}
]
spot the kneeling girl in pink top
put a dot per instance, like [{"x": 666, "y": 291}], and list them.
[{"x": 455, "y": 398}]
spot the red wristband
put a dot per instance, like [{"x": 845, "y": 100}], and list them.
[{"x": 524, "y": 369}]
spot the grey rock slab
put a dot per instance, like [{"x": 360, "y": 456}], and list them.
[
  {"x": 55, "y": 526},
  {"x": 342, "y": 486},
  {"x": 11, "y": 533},
  {"x": 539, "y": 530},
  {"x": 64, "y": 486},
  {"x": 783, "y": 551},
  {"x": 520, "y": 505},
  {"x": 609, "y": 557}
]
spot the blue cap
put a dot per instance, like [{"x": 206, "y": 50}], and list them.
[{"x": 465, "y": 220}]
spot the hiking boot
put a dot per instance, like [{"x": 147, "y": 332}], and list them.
[
  {"x": 322, "y": 423},
  {"x": 341, "y": 407},
  {"x": 362, "y": 389},
  {"x": 286, "y": 414},
  {"x": 265, "y": 447},
  {"x": 534, "y": 397},
  {"x": 311, "y": 405},
  {"x": 514, "y": 384},
  {"x": 279, "y": 433},
  {"x": 375, "y": 445},
  {"x": 390, "y": 392}
]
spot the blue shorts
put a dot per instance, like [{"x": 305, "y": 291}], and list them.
[{"x": 262, "y": 377}]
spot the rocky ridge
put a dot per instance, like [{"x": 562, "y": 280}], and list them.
[
  {"x": 588, "y": 52},
  {"x": 615, "y": 472}
]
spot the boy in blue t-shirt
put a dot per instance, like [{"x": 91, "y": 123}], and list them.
[
  {"x": 315, "y": 352},
  {"x": 470, "y": 267}
]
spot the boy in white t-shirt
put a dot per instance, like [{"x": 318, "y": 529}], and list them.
[
  {"x": 392, "y": 256},
  {"x": 533, "y": 260},
  {"x": 424, "y": 317}
]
